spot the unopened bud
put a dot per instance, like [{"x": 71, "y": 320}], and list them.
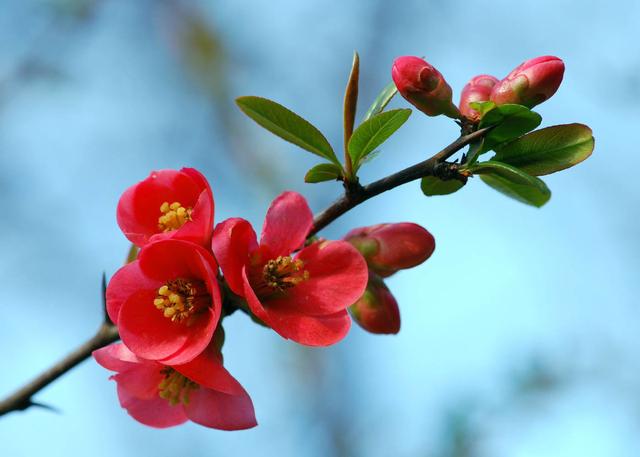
[
  {"x": 476, "y": 90},
  {"x": 530, "y": 83},
  {"x": 388, "y": 248},
  {"x": 423, "y": 86},
  {"x": 377, "y": 311}
]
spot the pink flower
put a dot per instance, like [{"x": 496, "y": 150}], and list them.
[
  {"x": 303, "y": 298},
  {"x": 166, "y": 303},
  {"x": 168, "y": 204},
  {"x": 530, "y": 83},
  {"x": 388, "y": 248},
  {"x": 476, "y": 90},
  {"x": 377, "y": 310},
  {"x": 162, "y": 396},
  {"x": 423, "y": 86}
]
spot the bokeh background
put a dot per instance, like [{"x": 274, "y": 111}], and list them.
[{"x": 519, "y": 336}]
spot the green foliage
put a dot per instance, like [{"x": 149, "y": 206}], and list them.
[
  {"x": 373, "y": 132},
  {"x": 287, "y": 125},
  {"x": 381, "y": 101},
  {"x": 432, "y": 185},
  {"x": 482, "y": 107},
  {"x": 351, "y": 98},
  {"x": 323, "y": 172},
  {"x": 510, "y": 121},
  {"x": 513, "y": 182},
  {"x": 548, "y": 150}
]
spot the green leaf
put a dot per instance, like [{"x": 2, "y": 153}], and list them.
[
  {"x": 287, "y": 125},
  {"x": 431, "y": 185},
  {"x": 511, "y": 121},
  {"x": 373, "y": 132},
  {"x": 482, "y": 107},
  {"x": 549, "y": 150},
  {"x": 351, "y": 99},
  {"x": 323, "y": 172},
  {"x": 513, "y": 182},
  {"x": 381, "y": 101}
]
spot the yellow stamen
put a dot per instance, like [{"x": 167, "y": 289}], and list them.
[
  {"x": 180, "y": 298},
  {"x": 283, "y": 273},
  {"x": 175, "y": 387},
  {"x": 173, "y": 216}
]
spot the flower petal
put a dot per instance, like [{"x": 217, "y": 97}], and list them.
[
  {"x": 207, "y": 371},
  {"x": 310, "y": 330},
  {"x": 150, "y": 335},
  {"x": 254, "y": 303},
  {"x": 123, "y": 283},
  {"x": 287, "y": 224},
  {"x": 141, "y": 380},
  {"x": 155, "y": 412},
  {"x": 221, "y": 411},
  {"x": 233, "y": 240},
  {"x": 116, "y": 357},
  {"x": 200, "y": 335},
  {"x": 338, "y": 277},
  {"x": 170, "y": 259}
]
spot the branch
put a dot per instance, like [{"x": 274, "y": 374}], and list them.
[
  {"x": 22, "y": 398},
  {"x": 425, "y": 168},
  {"x": 108, "y": 333}
]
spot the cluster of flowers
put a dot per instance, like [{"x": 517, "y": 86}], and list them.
[
  {"x": 168, "y": 303},
  {"x": 529, "y": 84}
]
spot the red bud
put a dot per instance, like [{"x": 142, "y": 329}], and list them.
[
  {"x": 388, "y": 248},
  {"x": 530, "y": 83},
  {"x": 476, "y": 90},
  {"x": 423, "y": 86},
  {"x": 377, "y": 311}
]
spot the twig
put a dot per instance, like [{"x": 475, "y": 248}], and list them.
[
  {"x": 425, "y": 168},
  {"x": 22, "y": 398}
]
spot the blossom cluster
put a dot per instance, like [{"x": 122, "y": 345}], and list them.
[
  {"x": 169, "y": 302},
  {"x": 529, "y": 84}
]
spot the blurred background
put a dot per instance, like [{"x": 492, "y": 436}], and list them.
[{"x": 519, "y": 336}]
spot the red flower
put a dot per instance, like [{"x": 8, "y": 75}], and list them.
[
  {"x": 302, "y": 298},
  {"x": 163, "y": 396},
  {"x": 168, "y": 204},
  {"x": 166, "y": 303}
]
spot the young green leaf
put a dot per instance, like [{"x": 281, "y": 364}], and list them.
[
  {"x": 373, "y": 132},
  {"x": 351, "y": 98},
  {"x": 513, "y": 182},
  {"x": 482, "y": 107},
  {"x": 323, "y": 172},
  {"x": 548, "y": 150},
  {"x": 432, "y": 185},
  {"x": 511, "y": 121},
  {"x": 381, "y": 101},
  {"x": 287, "y": 125}
]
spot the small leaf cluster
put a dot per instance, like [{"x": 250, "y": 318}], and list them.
[{"x": 521, "y": 154}]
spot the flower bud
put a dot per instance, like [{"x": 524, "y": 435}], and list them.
[
  {"x": 388, "y": 248},
  {"x": 530, "y": 83},
  {"x": 476, "y": 90},
  {"x": 377, "y": 311},
  {"x": 423, "y": 86}
]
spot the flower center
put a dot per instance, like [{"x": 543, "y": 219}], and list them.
[
  {"x": 174, "y": 216},
  {"x": 283, "y": 273},
  {"x": 175, "y": 387},
  {"x": 179, "y": 298}
]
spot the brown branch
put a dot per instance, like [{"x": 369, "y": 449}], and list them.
[
  {"x": 108, "y": 333},
  {"x": 21, "y": 399},
  {"x": 425, "y": 168}
]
